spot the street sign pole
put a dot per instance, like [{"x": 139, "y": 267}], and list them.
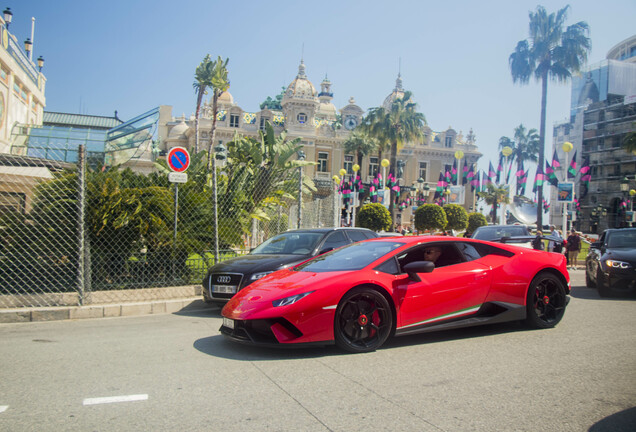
[{"x": 178, "y": 160}]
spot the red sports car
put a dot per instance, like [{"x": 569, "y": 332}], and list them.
[{"x": 360, "y": 295}]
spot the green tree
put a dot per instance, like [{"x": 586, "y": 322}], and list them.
[
  {"x": 359, "y": 143},
  {"x": 525, "y": 146},
  {"x": 274, "y": 104},
  {"x": 398, "y": 125},
  {"x": 457, "y": 217},
  {"x": 549, "y": 53},
  {"x": 374, "y": 216},
  {"x": 430, "y": 216},
  {"x": 629, "y": 142},
  {"x": 495, "y": 195},
  {"x": 475, "y": 220},
  {"x": 202, "y": 81},
  {"x": 219, "y": 83}
]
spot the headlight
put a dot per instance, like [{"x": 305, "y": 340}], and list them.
[
  {"x": 618, "y": 264},
  {"x": 290, "y": 300},
  {"x": 257, "y": 276}
]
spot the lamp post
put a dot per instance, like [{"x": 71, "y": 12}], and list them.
[
  {"x": 336, "y": 212},
  {"x": 506, "y": 151},
  {"x": 355, "y": 169},
  {"x": 385, "y": 163},
  {"x": 220, "y": 156},
  {"x": 625, "y": 191},
  {"x": 567, "y": 148},
  {"x": 632, "y": 194},
  {"x": 8, "y": 16},
  {"x": 301, "y": 158},
  {"x": 343, "y": 173},
  {"x": 40, "y": 63},
  {"x": 28, "y": 46},
  {"x": 459, "y": 155}
]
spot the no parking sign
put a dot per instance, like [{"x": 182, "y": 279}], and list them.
[{"x": 178, "y": 159}]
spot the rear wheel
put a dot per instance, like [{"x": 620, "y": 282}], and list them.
[
  {"x": 363, "y": 320},
  {"x": 546, "y": 301}
]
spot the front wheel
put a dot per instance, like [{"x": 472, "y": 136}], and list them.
[
  {"x": 363, "y": 321},
  {"x": 546, "y": 300}
]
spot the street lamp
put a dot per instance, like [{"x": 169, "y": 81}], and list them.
[
  {"x": 459, "y": 155},
  {"x": 301, "y": 158},
  {"x": 28, "y": 46},
  {"x": 336, "y": 212},
  {"x": 385, "y": 163},
  {"x": 624, "y": 184},
  {"x": 220, "y": 155},
  {"x": 40, "y": 63},
  {"x": 355, "y": 169},
  {"x": 8, "y": 16}
]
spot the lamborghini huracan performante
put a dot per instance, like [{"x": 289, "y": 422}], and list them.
[{"x": 360, "y": 295}]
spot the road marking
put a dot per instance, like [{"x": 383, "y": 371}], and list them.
[
  {"x": 3, "y": 408},
  {"x": 113, "y": 399}
]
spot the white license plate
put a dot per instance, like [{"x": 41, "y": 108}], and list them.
[
  {"x": 224, "y": 289},
  {"x": 229, "y": 323}
]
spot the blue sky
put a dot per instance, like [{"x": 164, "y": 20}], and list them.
[{"x": 134, "y": 55}]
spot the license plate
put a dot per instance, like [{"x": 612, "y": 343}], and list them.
[
  {"x": 224, "y": 289},
  {"x": 229, "y": 323}
]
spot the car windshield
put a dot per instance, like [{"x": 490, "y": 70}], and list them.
[
  {"x": 289, "y": 243},
  {"x": 351, "y": 257},
  {"x": 496, "y": 232},
  {"x": 622, "y": 239}
]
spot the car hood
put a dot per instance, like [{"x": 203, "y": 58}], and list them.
[
  {"x": 257, "y": 263},
  {"x": 621, "y": 254}
]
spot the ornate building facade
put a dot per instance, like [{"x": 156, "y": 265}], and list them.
[{"x": 312, "y": 116}]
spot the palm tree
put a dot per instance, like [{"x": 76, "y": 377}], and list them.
[
  {"x": 525, "y": 146},
  {"x": 495, "y": 195},
  {"x": 202, "y": 80},
  {"x": 359, "y": 143},
  {"x": 551, "y": 53},
  {"x": 220, "y": 83},
  {"x": 629, "y": 142},
  {"x": 397, "y": 126}
]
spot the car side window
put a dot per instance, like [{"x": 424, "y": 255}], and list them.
[
  {"x": 357, "y": 236},
  {"x": 335, "y": 240},
  {"x": 449, "y": 255},
  {"x": 469, "y": 251}
]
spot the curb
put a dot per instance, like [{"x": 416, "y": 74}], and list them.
[{"x": 60, "y": 313}]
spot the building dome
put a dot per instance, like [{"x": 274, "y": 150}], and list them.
[
  {"x": 179, "y": 130},
  {"x": 398, "y": 92},
  {"x": 301, "y": 87},
  {"x": 226, "y": 98}
]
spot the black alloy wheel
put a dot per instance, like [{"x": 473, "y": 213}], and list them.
[
  {"x": 363, "y": 321},
  {"x": 546, "y": 301}
]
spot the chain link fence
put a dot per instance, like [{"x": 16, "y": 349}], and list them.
[{"x": 79, "y": 234}]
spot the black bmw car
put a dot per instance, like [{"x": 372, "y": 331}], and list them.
[
  {"x": 283, "y": 250},
  {"x": 610, "y": 265}
]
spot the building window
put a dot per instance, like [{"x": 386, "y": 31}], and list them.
[
  {"x": 423, "y": 167},
  {"x": 348, "y": 164},
  {"x": 4, "y": 75},
  {"x": 234, "y": 120},
  {"x": 11, "y": 201},
  {"x": 323, "y": 160},
  {"x": 373, "y": 166},
  {"x": 264, "y": 121},
  {"x": 302, "y": 118},
  {"x": 448, "y": 141}
]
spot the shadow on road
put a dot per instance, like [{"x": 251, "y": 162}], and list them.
[
  {"x": 623, "y": 421},
  {"x": 219, "y": 346}
]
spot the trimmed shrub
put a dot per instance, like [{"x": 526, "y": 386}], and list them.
[
  {"x": 475, "y": 220},
  {"x": 457, "y": 217},
  {"x": 375, "y": 217},
  {"x": 430, "y": 216}
]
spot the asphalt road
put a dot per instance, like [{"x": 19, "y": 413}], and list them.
[{"x": 176, "y": 372}]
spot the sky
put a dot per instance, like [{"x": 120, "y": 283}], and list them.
[{"x": 134, "y": 55}]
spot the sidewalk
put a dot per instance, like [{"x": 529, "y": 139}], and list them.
[{"x": 133, "y": 307}]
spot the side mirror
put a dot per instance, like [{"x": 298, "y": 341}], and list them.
[
  {"x": 325, "y": 250},
  {"x": 412, "y": 269}
]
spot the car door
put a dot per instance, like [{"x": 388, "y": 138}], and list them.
[
  {"x": 593, "y": 259},
  {"x": 457, "y": 288}
]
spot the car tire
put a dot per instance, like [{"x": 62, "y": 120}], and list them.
[
  {"x": 363, "y": 320},
  {"x": 588, "y": 280},
  {"x": 545, "y": 301},
  {"x": 602, "y": 284}
]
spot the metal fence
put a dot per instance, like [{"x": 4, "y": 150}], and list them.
[{"x": 77, "y": 234}]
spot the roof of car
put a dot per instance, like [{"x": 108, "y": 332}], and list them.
[{"x": 324, "y": 230}]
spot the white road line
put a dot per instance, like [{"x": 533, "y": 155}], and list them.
[
  {"x": 3, "y": 408},
  {"x": 113, "y": 399}
]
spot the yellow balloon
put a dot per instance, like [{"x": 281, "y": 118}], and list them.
[
  {"x": 355, "y": 167},
  {"x": 506, "y": 151},
  {"x": 459, "y": 154},
  {"x": 385, "y": 163},
  {"x": 342, "y": 171},
  {"x": 632, "y": 192},
  {"x": 336, "y": 179},
  {"x": 567, "y": 146}
]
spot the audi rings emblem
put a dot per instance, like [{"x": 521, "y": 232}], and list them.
[{"x": 224, "y": 279}]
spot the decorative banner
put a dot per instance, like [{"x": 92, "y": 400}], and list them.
[
  {"x": 565, "y": 192},
  {"x": 456, "y": 195}
]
